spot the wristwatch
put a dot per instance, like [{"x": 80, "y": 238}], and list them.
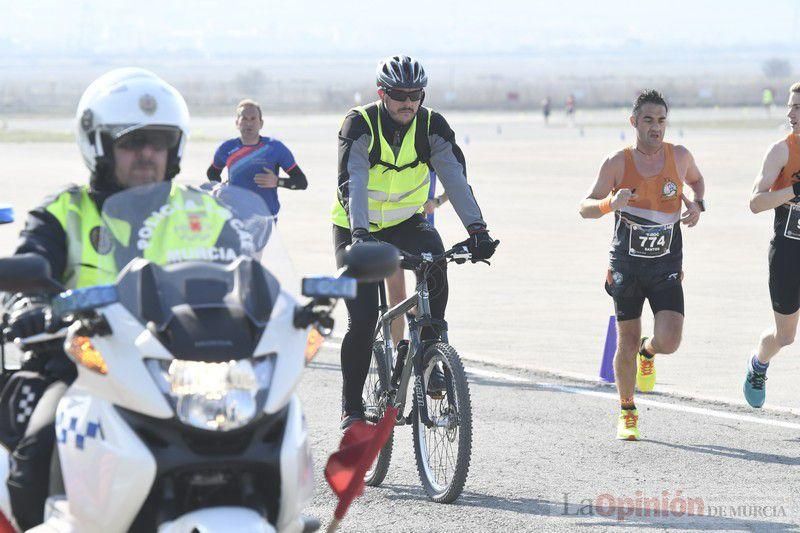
[
  {"x": 437, "y": 201},
  {"x": 701, "y": 204}
]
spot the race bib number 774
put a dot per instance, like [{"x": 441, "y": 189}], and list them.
[{"x": 649, "y": 241}]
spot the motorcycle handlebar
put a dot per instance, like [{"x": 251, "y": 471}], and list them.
[{"x": 39, "y": 338}]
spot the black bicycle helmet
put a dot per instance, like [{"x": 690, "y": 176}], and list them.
[{"x": 401, "y": 72}]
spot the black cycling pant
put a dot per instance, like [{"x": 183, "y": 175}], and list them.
[{"x": 415, "y": 236}]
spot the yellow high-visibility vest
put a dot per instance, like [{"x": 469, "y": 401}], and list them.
[{"x": 398, "y": 186}]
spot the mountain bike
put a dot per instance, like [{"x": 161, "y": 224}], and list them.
[{"x": 441, "y": 421}]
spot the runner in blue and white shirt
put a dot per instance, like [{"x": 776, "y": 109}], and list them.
[{"x": 254, "y": 161}]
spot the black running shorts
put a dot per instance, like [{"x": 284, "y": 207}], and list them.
[
  {"x": 630, "y": 283},
  {"x": 784, "y": 276}
]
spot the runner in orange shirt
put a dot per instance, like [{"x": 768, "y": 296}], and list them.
[
  {"x": 643, "y": 186},
  {"x": 778, "y": 187}
]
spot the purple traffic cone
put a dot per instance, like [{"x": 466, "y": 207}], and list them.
[{"x": 607, "y": 364}]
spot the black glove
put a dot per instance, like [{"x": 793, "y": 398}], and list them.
[
  {"x": 214, "y": 174},
  {"x": 26, "y": 322},
  {"x": 361, "y": 235},
  {"x": 480, "y": 244}
]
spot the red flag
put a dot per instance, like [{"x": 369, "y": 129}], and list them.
[
  {"x": 5, "y": 525},
  {"x": 359, "y": 448}
]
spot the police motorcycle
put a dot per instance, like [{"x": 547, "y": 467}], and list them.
[{"x": 184, "y": 416}]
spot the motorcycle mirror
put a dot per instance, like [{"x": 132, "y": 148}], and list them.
[
  {"x": 6, "y": 214},
  {"x": 27, "y": 273},
  {"x": 370, "y": 261},
  {"x": 328, "y": 287}
]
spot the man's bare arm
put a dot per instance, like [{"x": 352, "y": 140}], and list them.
[
  {"x": 693, "y": 177},
  {"x": 694, "y": 180},
  {"x": 610, "y": 174},
  {"x": 762, "y": 198}
]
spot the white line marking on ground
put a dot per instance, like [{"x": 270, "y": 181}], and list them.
[
  {"x": 640, "y": 401},
  {"x": 336, "y": 340},
  {"x": 613, "y": 396}
]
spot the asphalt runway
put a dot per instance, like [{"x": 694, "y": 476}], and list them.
[
  {"x": 544, "y": 459},
  {"x": 541, "y": 304}
]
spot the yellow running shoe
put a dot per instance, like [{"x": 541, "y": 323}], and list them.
[
  {"x": 645, "y": 371},
  {"x": 628, "y": 424}
]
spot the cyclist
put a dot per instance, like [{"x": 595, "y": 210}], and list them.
[{"x": 386, "y": 151}]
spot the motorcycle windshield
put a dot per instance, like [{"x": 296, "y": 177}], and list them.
[{"x": 202, "y": 268}]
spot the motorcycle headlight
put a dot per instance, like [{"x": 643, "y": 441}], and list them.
[{"x": 214, "y": 396}]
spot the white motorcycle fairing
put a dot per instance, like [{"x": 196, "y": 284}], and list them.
[
  {"x": 106, "y": 468},
  {"x": 116, "y": 471},
  {"x": 218, "y": 519},
  {"x": 109, "y": 471}
]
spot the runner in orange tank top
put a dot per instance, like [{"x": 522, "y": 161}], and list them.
[
  {"x": 778, "y": 187},
  {"x": 659, "y": 193},
  {"x": 643, "y": 187}
]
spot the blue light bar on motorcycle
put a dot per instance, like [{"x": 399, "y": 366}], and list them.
[
  {"x": 6, "y": 214},
  {"x": 77, "y": 300},
  {"x": 329, "y": 287}
]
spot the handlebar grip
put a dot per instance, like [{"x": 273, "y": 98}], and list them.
[{"x": 410, "y": 262}]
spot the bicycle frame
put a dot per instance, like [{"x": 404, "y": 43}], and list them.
[{"x": 421, "y": 300}]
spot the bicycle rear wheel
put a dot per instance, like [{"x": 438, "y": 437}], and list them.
[
  {"x": 375, "y": 396},
  {"x": 443, "y": 451}
]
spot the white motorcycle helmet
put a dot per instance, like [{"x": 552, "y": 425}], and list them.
[{"x": 120, "y": 102}]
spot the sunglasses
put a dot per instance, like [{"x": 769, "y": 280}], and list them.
[
  {"x": 156, "y": 139},
  {"x": 399, "y": 95}
]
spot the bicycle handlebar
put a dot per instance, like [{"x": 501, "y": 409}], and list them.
[{"x": 457, "y": 254}]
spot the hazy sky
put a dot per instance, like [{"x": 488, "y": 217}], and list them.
[{"x": 372, "y": 28}]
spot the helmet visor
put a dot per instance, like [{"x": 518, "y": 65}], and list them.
[{"x": 159, "y": 138}]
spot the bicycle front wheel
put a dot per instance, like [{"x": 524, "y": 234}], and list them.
[
  {"x": 375, "y": 396},
  {"x": 443, "y": 449}
]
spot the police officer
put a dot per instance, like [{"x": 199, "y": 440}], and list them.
[
  {"x": 386, "y": 152},
  {"x": 131, "y": 130}
]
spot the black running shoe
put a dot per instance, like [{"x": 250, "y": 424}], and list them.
[{"x": 348, "y": 419}]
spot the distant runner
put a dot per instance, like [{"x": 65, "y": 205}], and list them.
[{"x": 254, "y": 161}]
